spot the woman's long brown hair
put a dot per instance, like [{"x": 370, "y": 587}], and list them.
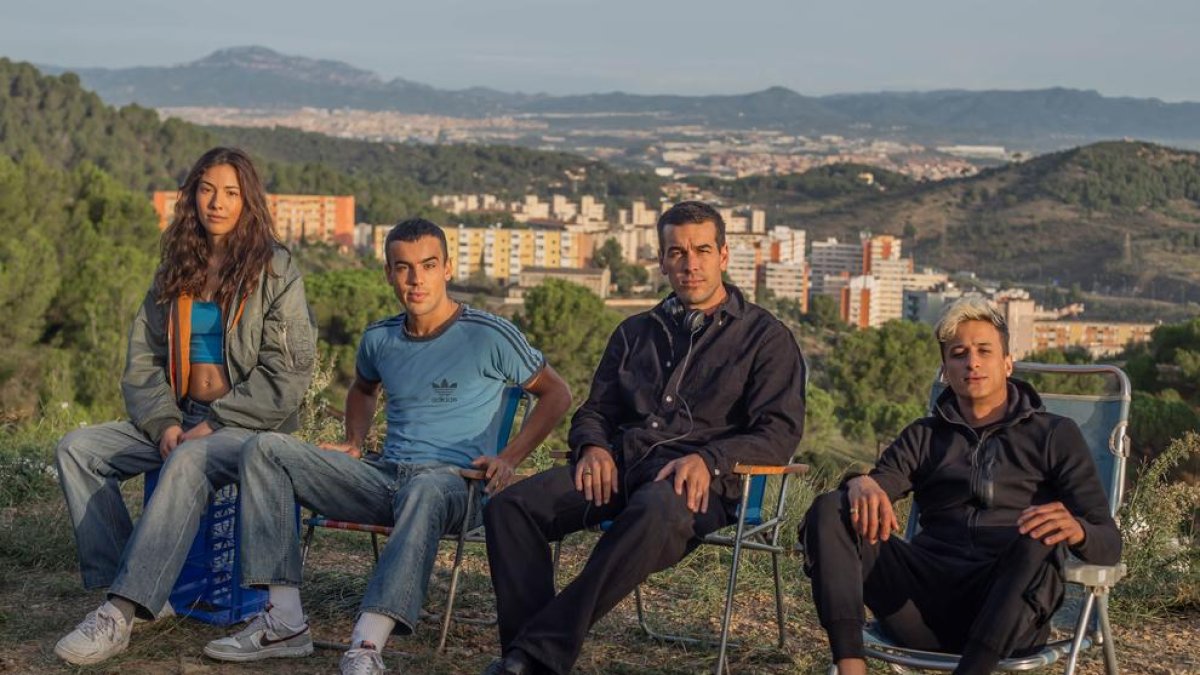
[{"x": 183, "y": 267}]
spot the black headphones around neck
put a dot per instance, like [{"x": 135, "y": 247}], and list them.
[{"x": 692, "y": 320}]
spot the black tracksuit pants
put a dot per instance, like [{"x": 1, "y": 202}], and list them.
[
  {"x": 935, "y": 601},
  {"x": 652, "y": 529}
]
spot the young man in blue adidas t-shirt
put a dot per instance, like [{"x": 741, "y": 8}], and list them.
[{"x": 444, "y": 367}]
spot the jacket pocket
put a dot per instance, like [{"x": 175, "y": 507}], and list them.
[{"x": 294, "y": 341}]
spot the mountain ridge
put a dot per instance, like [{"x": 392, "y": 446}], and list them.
[{"x": 1050, "y": 118}]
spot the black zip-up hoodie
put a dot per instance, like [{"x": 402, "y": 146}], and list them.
[
  {"x": 744, "y": 386},
  {"x": 1032, "y": 457}
]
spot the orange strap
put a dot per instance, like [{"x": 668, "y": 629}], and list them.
[
  {"x": 241, "y": 307},
  {"x": 179, "y": 341}
]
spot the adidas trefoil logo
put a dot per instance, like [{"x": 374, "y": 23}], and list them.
[{"x": 444, "y": 391}]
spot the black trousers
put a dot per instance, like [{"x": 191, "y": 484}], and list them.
[
  {"x": 651, "y": 530},
  {"x": 932, "y": 600}
]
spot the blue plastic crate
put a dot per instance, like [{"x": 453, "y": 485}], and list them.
[{"x": 209, "y": 587}]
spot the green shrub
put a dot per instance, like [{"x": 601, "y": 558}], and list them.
[{"x": 1158, "y": 526}]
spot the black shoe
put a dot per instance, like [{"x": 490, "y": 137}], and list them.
[{"x": 514, "y": 662}]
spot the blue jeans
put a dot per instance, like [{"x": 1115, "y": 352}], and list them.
[
  {"x": 141, "y": 563},
  {"x": 422, "y": 501}
]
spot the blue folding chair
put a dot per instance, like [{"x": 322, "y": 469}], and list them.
[
  {"x": 1103, "y": 418},
  {"x": 758, "y": 529},
  {"x": 511, "y": 401}
]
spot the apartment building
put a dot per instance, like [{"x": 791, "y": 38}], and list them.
[
  {"x": 788, "y": 280},
  {"x": 1099, "y": 338},
  {"x": 595, "y": 279},
  {"x": 743, "y": 268},
  {"x": 859, "y": 302},
  {"x": 834, "y": 259}
]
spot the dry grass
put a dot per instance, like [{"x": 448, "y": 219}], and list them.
[{"x": 40, "y": 599}]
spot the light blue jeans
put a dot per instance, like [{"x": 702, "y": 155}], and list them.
[
  {"x": 421, "y": 501},
  {"x": 141, "y": 563}
]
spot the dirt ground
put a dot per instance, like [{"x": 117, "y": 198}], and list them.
[{"x": 37, "y": 606}]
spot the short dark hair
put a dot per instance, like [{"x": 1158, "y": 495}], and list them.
[
  {"x": 412, "y": 230},
  {"x": 691, "y": 213}
]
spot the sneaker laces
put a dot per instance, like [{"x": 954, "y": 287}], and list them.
[
  {"x": 264, "y": 620},
  {"x": 99, "y": 623},
  {"x": 362, "y": 661}
]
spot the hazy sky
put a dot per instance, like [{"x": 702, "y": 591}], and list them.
[{"x": 1119, "y": 47}]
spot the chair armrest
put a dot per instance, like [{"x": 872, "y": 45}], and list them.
[
  {"x": 1077, "y": 572},
  {"x": 562, "y": 456},
  {"x": 757, "y": 470}
]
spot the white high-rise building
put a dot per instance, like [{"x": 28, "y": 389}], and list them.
[
  {"x": 789, "y": 243},
  {"x": 758, "y": 221},
  {"x": 640, "y": 215},
  {"x": 743, "y": 269},
  {"x": 888, "y": 299},
  {"x": 858, "y": 302},
  {"x": 787, "y": 280}
]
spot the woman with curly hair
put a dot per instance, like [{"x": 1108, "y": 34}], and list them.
[{"x": 221, "y": 348}]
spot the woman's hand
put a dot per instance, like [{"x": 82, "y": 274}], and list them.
[{"x": 172, "y": 437}]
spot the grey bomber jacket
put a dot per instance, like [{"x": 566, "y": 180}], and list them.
[{"x": 269, "y": 345}]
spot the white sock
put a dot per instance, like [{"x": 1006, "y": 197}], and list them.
[
  {"x": 285, "y": 605},
  {"x": 373, "y": 628}
]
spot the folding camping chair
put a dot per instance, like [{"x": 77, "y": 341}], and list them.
[
  {"x": 1103, "y": 419},
  {"x": 510, "y": 402},
  {"x": 757, "y": 529}
]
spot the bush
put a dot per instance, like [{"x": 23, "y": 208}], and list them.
[{"x": 1158, "y": 527}]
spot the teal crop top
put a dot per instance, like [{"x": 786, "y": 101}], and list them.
[{"x": 207, "y": 333}]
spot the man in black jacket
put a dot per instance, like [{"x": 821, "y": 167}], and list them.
[
  {"x": 703, "y": 381},
  {"x": 1004, "y": 488}
]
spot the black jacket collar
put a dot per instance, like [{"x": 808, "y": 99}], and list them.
[{"x": 1023, "y": 401}]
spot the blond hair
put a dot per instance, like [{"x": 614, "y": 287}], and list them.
[{"x": 969, "y": 308}]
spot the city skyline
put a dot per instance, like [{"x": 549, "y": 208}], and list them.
[{"x": 583, "y": 46}]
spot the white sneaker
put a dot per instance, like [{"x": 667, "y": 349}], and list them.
[
  {"x": 265, "y": 637},
  {"x": 102, "y": 634},
  {"x": 363, "y": 660}
]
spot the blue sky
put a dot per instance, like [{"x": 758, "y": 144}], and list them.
[{"x": 1121, "y": 48}]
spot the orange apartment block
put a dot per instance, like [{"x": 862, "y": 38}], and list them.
[
  {"x": 327, "y": 219},
  {"x": 857, "y": 306},
  {"x": 1099, "y": 338}
]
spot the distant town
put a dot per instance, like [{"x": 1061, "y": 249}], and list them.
[
  {"x": 870, "y": 280},
  {"x": 669, "y": 149}
]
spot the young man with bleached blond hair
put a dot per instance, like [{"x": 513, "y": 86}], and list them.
[{"x": 1005, "y": 490}]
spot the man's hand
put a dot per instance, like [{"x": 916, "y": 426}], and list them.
[
  {"x": 691, "y": 473},
  {"x": 1051, "y": 523},
  {"x": 871, "y": 511},
  {"x": 596, "y": 475},
  {"x": 497, "y": 470},
  {"x": 348, "y": 448},
  {"x": 170, "y": 438},
  {"x": 199, "y": 431}
]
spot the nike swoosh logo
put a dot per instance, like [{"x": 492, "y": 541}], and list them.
[{"x": 267, "y": 643}]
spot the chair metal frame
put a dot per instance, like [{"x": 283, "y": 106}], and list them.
[
  {"x": 513, "y": 396},
  {"x": 752, "y": 532},
  {"x": 1097, "y": 580}
]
